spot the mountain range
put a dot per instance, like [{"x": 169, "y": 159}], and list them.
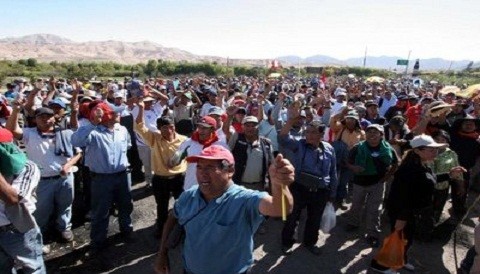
[{"x": 50, "y": 47}]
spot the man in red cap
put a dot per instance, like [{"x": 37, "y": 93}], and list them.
[
  {"x": 204, "y": 136},
  {"x": 106, "y": 143},
  {"x": 220, "y": 217}
]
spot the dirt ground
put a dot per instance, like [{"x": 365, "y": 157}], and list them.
[{"x": 342, "y": 252}]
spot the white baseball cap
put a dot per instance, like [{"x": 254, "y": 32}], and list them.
[
  {"x": 424, "y": 140},
  {"x": 250, "y": 119}
]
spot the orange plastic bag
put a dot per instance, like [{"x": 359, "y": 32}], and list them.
[{"x": 392, "y": 252}]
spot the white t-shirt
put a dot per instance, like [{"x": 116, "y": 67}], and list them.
[
  {"x": 25, "y": 184},
  {"x": 265, "y": 129},
  {"x": 205, "y": 108},
  {"x": 150, "y": 118},
  {"x": 41, "y": 150},
  {"x": 193, "y": 148},
  {"x": 337, "y": 107}
]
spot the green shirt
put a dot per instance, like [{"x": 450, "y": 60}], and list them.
[
  {"x": 443, "y": 163},
  {"x": 12, "y": 159}
]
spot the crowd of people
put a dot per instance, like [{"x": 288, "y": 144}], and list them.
[{"x": 231, "y": 151}]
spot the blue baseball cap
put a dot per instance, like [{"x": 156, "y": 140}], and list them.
[{"x": 57, "y": 101}]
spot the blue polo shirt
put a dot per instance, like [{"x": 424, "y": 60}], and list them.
[
  {"x": 105, "y": 150},
  {"x": 220, "y": 238}
]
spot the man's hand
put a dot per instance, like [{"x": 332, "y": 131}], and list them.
[
  {"x": 65, "y": 170},
  {"x": 231, "y": 110},
  {"x": 457, "y": 172},
  {"x": 19, "y": 104},
  {"x": 281, "y": 171},
  {"x": 162, "y": 265},
  {"x": 400, "y": 224}
]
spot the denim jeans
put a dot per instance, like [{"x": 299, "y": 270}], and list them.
[
  {"x": 23, "y": 250},
  {"x": 56, "y": 194},
  {"x": 108, "y": 188}
]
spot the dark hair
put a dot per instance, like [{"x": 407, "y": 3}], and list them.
[
  {"x": 225, "y": 164},
  {"x": 410, "y": 157},
  {"x": 318, "y": 125},
  {"x": 269, "y": 112},
  {"x": 442, "y": 133},
  {"x": 164, "y": 120}
]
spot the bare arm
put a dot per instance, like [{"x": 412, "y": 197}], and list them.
[
  {"x": 8, "y": 194},
  {"x": 421, "y": 126},
  {"x": 31, "y": 101},
  {"x": 74, "y": 106},
  {"x": 157, "y": 94},
  {"x": 68, "y": 165},
  {"x": 141, "y": 111},
  {"x": 231, "y": 110},
  {"x": 260, "y": 114},
  {"x": 198, "y": 102},
  {"x": 161, "y": 262},
  {"x": 12, "y": 122},
  {"x": 50, "y": 93}
]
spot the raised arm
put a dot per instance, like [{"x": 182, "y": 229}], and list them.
[
  {"x": 12, "y": 122},
  {"x": 74, "y": 104},
  {"x": 231, "y": 110},
  {"x": 51, "y": 91},
  {"x": 282, "y": 174}
]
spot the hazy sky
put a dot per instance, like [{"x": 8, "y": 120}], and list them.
[{"x": 448, "y": 29}]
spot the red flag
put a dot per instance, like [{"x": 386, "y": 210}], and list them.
[{"x": 324, "y": 77}]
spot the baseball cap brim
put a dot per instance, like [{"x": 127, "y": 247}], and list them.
[
  {"x": 204, "y": 125},
  {"x": 195, "y": 158}
]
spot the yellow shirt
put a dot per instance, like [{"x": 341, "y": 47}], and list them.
[
  {"x": 351, "y": 138},
  {"x": 162, "y": 151}
]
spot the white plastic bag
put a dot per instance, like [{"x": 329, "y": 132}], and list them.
[{"x": 329, "y": 218}]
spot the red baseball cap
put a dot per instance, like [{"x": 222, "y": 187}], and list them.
[
  {"x": 207, "y": 121},
  {"x": 214, "y": 152},
  {"x": 5, "y": 136}
]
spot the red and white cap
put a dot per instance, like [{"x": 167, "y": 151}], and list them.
[
  {"x": 214, "y": 152},
  {"x": 207, "y": 121}
]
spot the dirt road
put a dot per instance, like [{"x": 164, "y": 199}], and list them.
[{"x": 342, "y": 252}]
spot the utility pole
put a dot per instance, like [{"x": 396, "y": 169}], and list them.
[
  {"x": 450, "y": 66},
  {"x": 365, "y": 58},
  {"x": 408, "y": 61},
  {"x": 298, "y": 67}
]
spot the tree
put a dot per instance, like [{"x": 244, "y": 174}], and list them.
[
  {"x": 32, "y": 62},
  {"x": 151, "y": 67}
]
